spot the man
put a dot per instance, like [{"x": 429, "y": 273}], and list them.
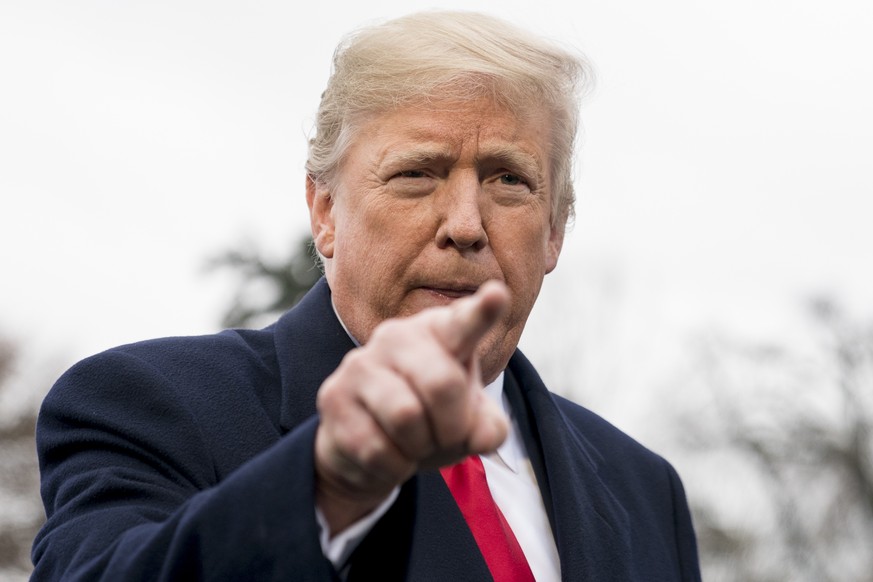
[{"x": 348, "y": 439}]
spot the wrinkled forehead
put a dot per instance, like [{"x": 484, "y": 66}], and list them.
[{"x": 447, "y": 125}]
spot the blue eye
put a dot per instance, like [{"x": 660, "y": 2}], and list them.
[{"x": 511, "y": 180}]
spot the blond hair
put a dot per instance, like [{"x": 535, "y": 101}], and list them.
[{"x": 442, "y": 55}]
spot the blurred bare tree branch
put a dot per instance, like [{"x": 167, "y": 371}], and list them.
[
  {"x": 21, "y": 513},
  {"x": 789, "y": 435}
]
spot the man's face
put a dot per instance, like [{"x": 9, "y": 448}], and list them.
[{"x": 431, "y": 202}]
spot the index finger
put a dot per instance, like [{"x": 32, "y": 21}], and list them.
[{"x": 470, "y": 318}]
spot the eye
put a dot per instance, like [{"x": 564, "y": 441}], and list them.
[
  {"x": 411, "y": 183},
  {"x": 411, "y": 174},
  {"x": 511, "y": 180}
]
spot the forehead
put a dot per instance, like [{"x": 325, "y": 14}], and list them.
[{"x": 451, "y": 129}]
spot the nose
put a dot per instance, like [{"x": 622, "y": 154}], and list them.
[{"x": 462, "y": 225}]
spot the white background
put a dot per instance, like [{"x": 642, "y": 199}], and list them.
[{"x": 724, "y": 173}]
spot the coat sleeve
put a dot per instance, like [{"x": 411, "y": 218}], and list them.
[{"x": 133, "y": 491}]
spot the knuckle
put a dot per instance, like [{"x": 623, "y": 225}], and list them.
[
  {"x": 370, "y": 450},
  {"x": 352, "y": 440},
  {"x": 354, "y": 362},
  {"x": 453, "y": 431},
  {"x": 361, "y": 443},
  {"x": 446, "y": 386},
  {"x": 406, "y": 415}
]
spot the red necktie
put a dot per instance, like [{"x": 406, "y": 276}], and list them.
[{"x": 492, "y": 533}]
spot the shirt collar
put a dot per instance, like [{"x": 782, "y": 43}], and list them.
[
  {"x": 342, "y": 323},
  {"x": 510, "y": 452}
]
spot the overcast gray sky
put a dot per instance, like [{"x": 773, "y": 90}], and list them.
[{"x": 724, "y": 173}]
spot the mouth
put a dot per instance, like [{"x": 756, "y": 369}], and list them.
[
  {"x": 451, "y": 292},
  {"x": 443, "y": 290}
]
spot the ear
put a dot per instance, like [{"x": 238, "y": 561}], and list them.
[
  {"x": 554, "y": 245},
  {"x": 321, "y": 222}
]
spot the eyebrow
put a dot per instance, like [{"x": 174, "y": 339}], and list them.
[
  {"x": 515, "y": 159},
  {"x": 420, "y": 155},
  {"x": 512, "y": 157}
]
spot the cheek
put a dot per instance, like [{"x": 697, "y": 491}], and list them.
[
  {"x": 371, "y": 251},
  {"x": 523, "y": 249},
  {"x": 525, "y": 258},
  {"x": 385, "y": 219}
]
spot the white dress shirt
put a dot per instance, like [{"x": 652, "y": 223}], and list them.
[{"x": 514, "y": 488}]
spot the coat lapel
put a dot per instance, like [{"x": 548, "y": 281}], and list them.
[{"x": 591, "y": 527}]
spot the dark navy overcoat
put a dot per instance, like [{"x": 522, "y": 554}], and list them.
[{"x": 192, "y": 459}]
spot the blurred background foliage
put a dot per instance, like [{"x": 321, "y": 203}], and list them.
[
  {"x": 21, "y": 512},
  {"x": 266, "y": 288},
  {"x": 775, "y": 442}
]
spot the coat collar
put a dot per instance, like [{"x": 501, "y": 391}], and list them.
[{"x": 310, "y": 344}]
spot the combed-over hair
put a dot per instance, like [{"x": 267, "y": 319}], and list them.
[{"x": 442, "y": 55}]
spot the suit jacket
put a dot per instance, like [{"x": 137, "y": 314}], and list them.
[{"x": 192, "y": 458}]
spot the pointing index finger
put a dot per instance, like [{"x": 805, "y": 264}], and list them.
[{"x": 470, "y": 318}]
